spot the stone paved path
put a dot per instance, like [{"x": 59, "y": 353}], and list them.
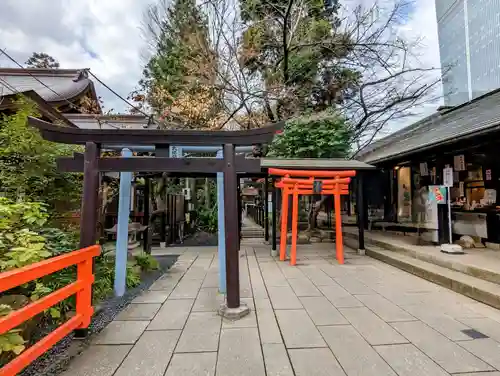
[{"x": 315, "y": 319}]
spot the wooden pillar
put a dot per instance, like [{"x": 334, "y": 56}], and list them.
[
  {"x": 266, "y": 209},
  {"x": 360, "y": 212},
  {"x": 163, "y": 215},
  {"x": 231, "y": 228},
  {"x": 240, "y": 214},
  {"x": 274, "y": 212},
  {"x": 88, "y": 213},
  {"x": 89, "y": 207},
  {"x": 145, "y": 238}
]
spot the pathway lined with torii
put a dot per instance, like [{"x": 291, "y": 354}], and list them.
[{"x": 315, "y": 319}]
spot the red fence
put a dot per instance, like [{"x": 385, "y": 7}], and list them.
[{"x": 82, "y": 287}]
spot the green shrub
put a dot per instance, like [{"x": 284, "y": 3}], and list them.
[
  {"x": 207, "y": 219},
  {"x": 147, "y": 262}
]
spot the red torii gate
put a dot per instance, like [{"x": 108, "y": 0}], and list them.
[{"x": 305, "y": 183}]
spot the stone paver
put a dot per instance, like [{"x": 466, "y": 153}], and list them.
[
  {"x": 269, "y": 331},
  {"x": 194, "y": 364},
  {"x": 276, "y": 359},
  {"x": 304, "y": 287},
  {"x": 372, "y": 327},
  {"x": 355, "y": 355},
  {"x": 201, "y": 333},
  {"x": 444, "y": 324},
  {"x": 98, "y": 360},
  {"x": 364, "y": 318},
  {"x": 166, "y": 283},
  {"x": 152, "y": 297},
  {"x": 444, "y": 352},
  {"x": 186, "y": 289},
  {"x": 139, "y": 312},
  {"x": 315, "y": 362},
  {"x": 151, "y": 354},
  {"x": 317, "y": 276},
  {"x": 240, "y": 353},
  {"x": 353, "y": 286},
  {"x": 384, "y": 309},
  {"x": 322, "y": 312},
  {"x": 121, "y": 333},
  {"x": 485, "y": 349},
  {"x": 407, "y": 360},
  {"x": 208, "y": 300},
  {"x": 487, "y": 326},
  {"x": 298, "y": 329},
  {"x": 339, "y": 297},
  {"x": 172, "y": 315},
  {"x": 283, "y": 297}
]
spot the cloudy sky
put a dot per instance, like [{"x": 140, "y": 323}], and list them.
[{"x": 106, "y": 37}]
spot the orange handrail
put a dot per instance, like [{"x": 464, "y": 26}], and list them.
[{"x": 82, "y": 287}]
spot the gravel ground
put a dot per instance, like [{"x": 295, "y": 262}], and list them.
[
  {"x": 200, "y": 238},
  {"x": 58, "y": 357}
]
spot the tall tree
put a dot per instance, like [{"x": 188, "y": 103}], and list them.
[
  {"x": 41, "y": 60},
  {"x": 179, "y": 79},
  {"x": 279, "y": 57},
  {"x": 284, "y": 43}
]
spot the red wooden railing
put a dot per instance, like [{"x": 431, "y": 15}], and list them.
[{"x": 82, "y": 287}]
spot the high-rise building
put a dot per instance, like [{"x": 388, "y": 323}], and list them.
[{"x": 469, "y": 45}]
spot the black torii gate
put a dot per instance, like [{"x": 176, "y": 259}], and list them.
[{"x": 95, "y": 139}]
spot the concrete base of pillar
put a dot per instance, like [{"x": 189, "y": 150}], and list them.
[
  {"x": 234, "y": 313},
  {"x": 361, "y": 252},
  {"x": 274, "y": 253}
]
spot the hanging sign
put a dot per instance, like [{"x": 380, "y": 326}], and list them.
[
  {"x": 448, "y": 177},
  {"x": 488, "y": 174},
  {"x": 459, "y": 162},
  {"x": 461, "y": 189},
  {"x": 317, "y": 186},
  {"x": 424, "y": 171},
  {"x": 437, "y": 194}
]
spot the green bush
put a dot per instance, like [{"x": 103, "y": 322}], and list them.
[
  {"x": 207, "y": 219},
  {"x": 147, "y": 262}
]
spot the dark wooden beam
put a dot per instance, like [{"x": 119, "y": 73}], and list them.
[
  {"x": 155, "y": 136},
  {"x": 156, "y": 164},
  {"x": 274, "y": 213},
  {"x": 360, "y": 208},
  {"x": 145, "y": 237},
  {"x": 88, "y": 214},
  {"x": 266, "y": 209},
  {"x": 231, "y": 228}
]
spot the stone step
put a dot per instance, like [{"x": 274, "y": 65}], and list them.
[
  {"x": 452, "y": 264},
  {"x": 475, "y": 288}
]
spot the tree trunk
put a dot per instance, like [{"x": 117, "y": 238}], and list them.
[
  {"x": 314, "y": 211},
  {"x": 207, "y": 194}
]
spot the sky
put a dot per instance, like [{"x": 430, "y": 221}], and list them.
[{"x": 106, "y": 37}]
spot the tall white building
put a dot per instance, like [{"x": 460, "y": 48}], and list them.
[{"x": 469, "y": 45}]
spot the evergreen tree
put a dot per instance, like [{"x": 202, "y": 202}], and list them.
[
  {"x": 179, "y": 79},
  {"x": 296, "y": 48},
  {"x": 41, "y": 60}
]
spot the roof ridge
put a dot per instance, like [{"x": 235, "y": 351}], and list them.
[{"x": 50, "y": 72}]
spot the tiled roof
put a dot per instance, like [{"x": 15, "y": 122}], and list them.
[
  {"x": 477, "y": 116},
  {"x": 64, "y": 84},
  {"x": 315, "y": 164},
  {"x": 86, "y": 121}
]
